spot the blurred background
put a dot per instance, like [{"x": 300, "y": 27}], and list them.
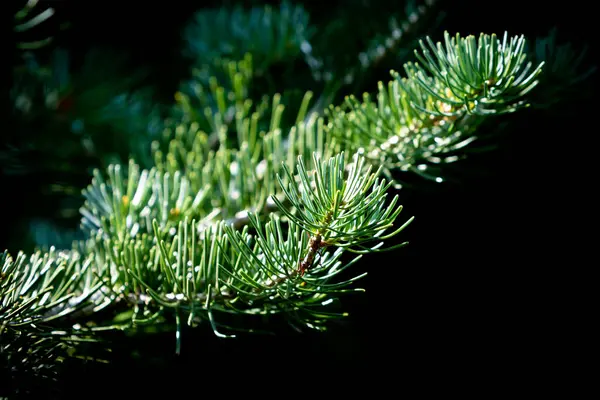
[{"x": 474, "y": 294}]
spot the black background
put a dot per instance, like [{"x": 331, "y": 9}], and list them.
[{"x": 489, "y": 291}]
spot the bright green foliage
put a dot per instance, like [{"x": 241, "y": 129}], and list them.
[
  {"x": 42, "y": 288},
  {"x": 190, "y": 269},
  {"x": 474, "y": 76},
  {"x": 37, "y": 294},
  {"x": 234, "y": 149},
  {"x": 218, "y": 90},
  {"x": 424, "y": 117},
  {"x": 221, "y": 225},
  {"x": 346, "y": 211},
  {"x": 243, "y": 209}
]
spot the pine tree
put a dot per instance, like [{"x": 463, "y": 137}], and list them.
[{"x": 250, "y": 198}]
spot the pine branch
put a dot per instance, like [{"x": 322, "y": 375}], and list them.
[
  {"x": 131, "y": 215},
  {"x": 221, "y": 227},
  {"x": 242, "y": 147},
  {"x": 38, "y": 294},
  {"x": 243, "y": 210},
  {"x": 32, "y": 289},
  {"x": 193, "y": 270},
  {"x": 425, "y": 117}
]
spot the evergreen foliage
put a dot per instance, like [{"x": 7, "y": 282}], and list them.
[{"x": 245, "y": 200}]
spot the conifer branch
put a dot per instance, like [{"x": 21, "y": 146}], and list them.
[
  {"x": 229, "y": 220},
  {"x": 422, "y": 119},
  {"x": 141, "y": 220}
]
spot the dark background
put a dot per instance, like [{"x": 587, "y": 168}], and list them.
[{"x": 487, "y": 291}]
